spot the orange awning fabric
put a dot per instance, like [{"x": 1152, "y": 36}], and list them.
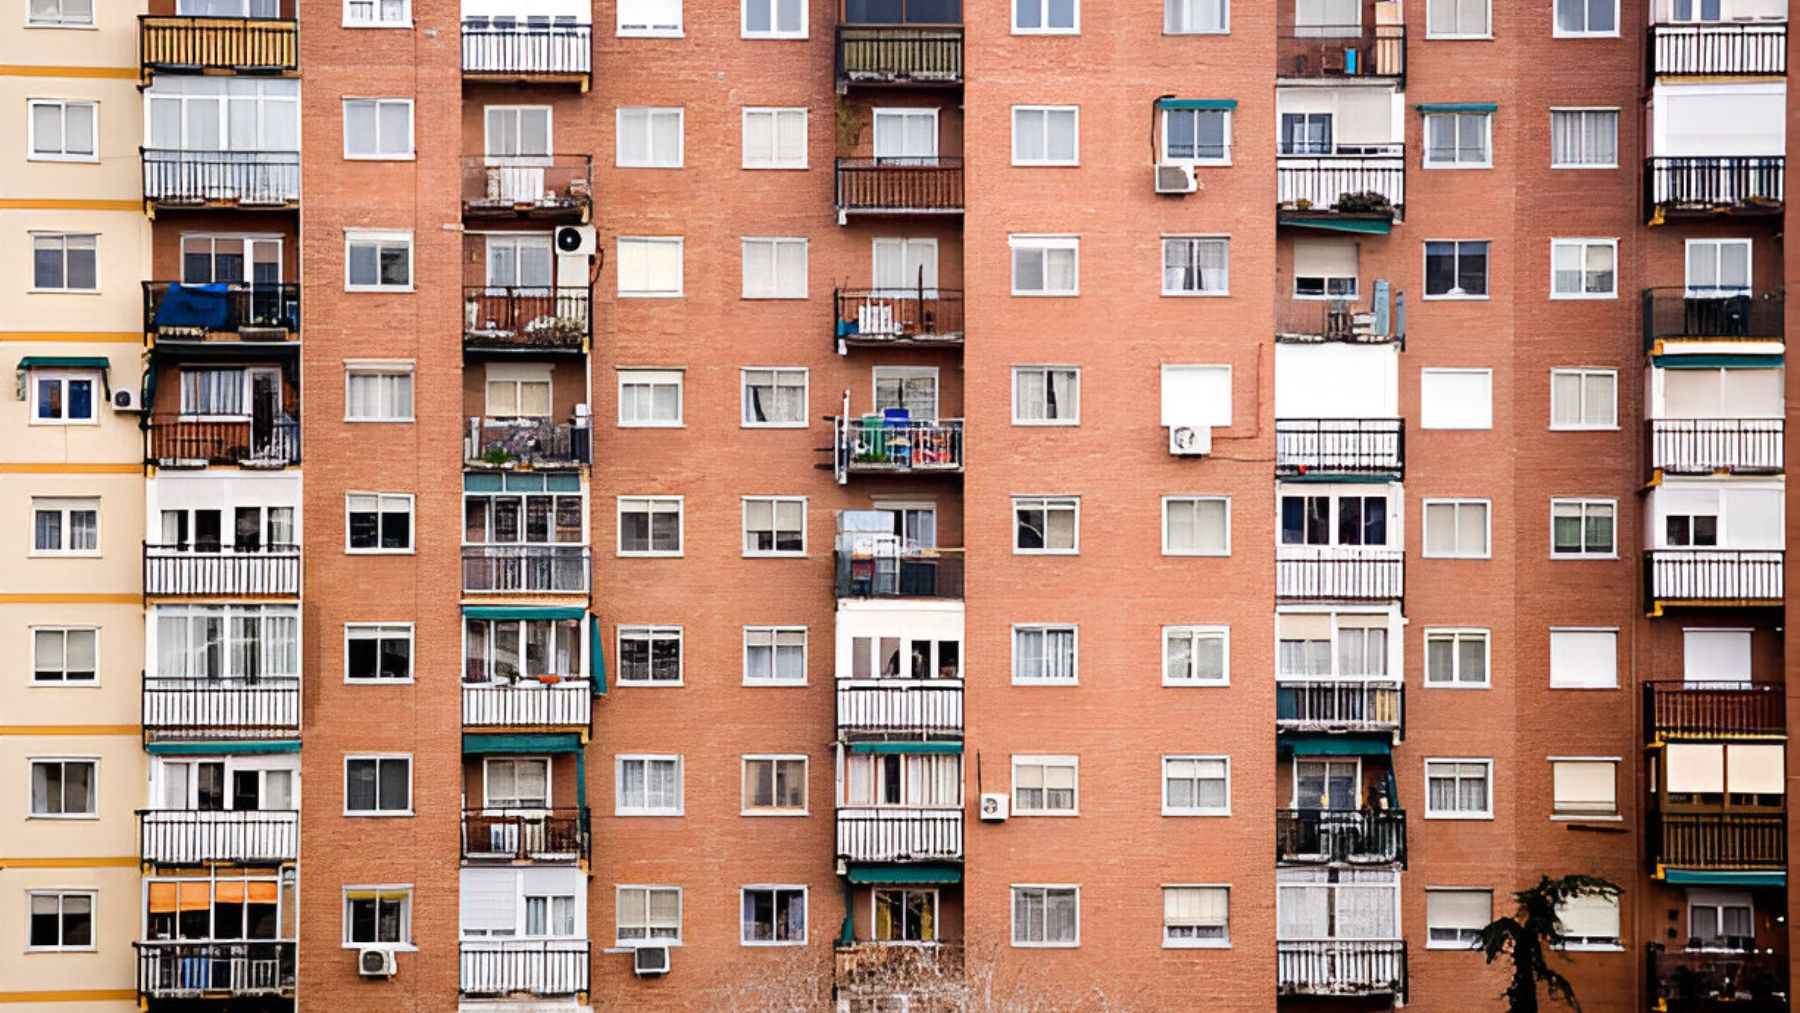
[{"x": 195, "y": 896}]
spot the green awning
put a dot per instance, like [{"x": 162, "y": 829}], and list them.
[
  {"x": 1334, "y": 745},
  {"x": 1366, "y": 226},
  {"x": 475, "y": 743},
  {"x": 1708, "y": 877},
  {"x": 906, "y": 747},
  {"x": 924, "y": 872},
  {"x": 1458, "y": 107},
  {"x": 1716, "y": 361},
  {"x": 596, "y": 656},
  {"x": 523, "y": 612},
  {"x": 1196, "y": 103},
  {"x": 1338, "y": 477},
  {"x": 217, "y": 748},
  {"x": 65, "y": 362}
]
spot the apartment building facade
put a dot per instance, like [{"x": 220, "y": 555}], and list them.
[{"x": 896, "y": 514}]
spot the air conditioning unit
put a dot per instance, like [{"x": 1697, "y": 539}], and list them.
[
  {"x": 127, "y": 399},
  {"x": 373, "y": 962},
  {"x": 575, "y": 240},
  {"x": 1190, "y": 441},
  {"x": 650, "y": 961},
  {"x": 1175, "y": 179},
  {"x": 993, "y": 807}
]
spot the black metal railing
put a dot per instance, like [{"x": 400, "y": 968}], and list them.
[
  {"x": 1340, "y": 51},
  {"x": 900, "y": 185},
  {"x": 898, "y": 316},
  {"x": 201, "y": 837},
  {"x": 221, "y": 572},
  {"x": 899, "y": 54},
  {"x": 1339, "y": 573},
  {"x": 1675, "y": 709},
  {"x": 910, "y": 446},
  {"x": 525, "y": 568},
  {"x": 190, "y": 707},
  {"x": 185, "y": 970},
  {"x": 536, "y": 47},
  {"x": 1719, "y": 49},
  {"x": 193, "y": 45},
  {"x": 265, "y": 311},
  {"x": 899, "y": 835},
  {"x": 528, "y": 703},
  {"x": 177, "y": 177},
  {"x": 559, "y": 186},
  {"x": 538, "y": 442},
  {"x": 1704, "y": 446},
  {"x": 1722, "y": 841},
  {"x": 177, "y": 441},
  {"x": 1372, "y": 183},
  {"x": 1684, "y": 313},
  {"x": 1340, "y": 446},
  {"x": 1339, "y": 705},
  {"x": 1313, "y": 320},
  {"x": 538, "y": 318},
  {"x": 1340, "y": 966},
  {"x": 1742, "y": 182},
  {"x": 915, "y": 575},
  {"x": 1340, "y": 837},
  {"x": 523, "y": 967},
  {"x": 1708, "y": 981},
  {"x": 900, "y": 709},
  {"x": 1745, "y": 576},
  {"x": 557, "y": 835}
]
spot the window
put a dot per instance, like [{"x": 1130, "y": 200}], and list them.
[
  {"x": 65, "y": 788},
  {"x": 1459, "y": 789},
  {"x": 774, "y": 19},
  {"x": 379, "y": 128},
  {"x": 1196, "y": 656},
  {"x": 61, "y": 656},
  {"x": 647, "y": 914},
  {"x": 1456, "y": 269},
  {"x": 648, "y": 786},
  {"x": 61, "y": 920},
  {"x": 905, "y": 135},
  {"x": 377, "y": 13},
  {"x": 1196, "y": 17},
  {"x": 905, "y": 916},
  {"x": 379, "y": 522},
  {"x": 1585, "y": 787},
  {"x": 774, "y": 397},
  {"x": 1584, "y": 269},
  {"x": 1196, "y": 266},
  {"x": 550, "y": 915},
  {"x": 649, "y": 17},
  {"x": 1309, "y": 519},
  {"x": 63, "y": 397},
  {"x": 1045, "y": 265},
  {"x": 1582, "y": 527},
  {"x": 1456, "y": 658},
  {"x": 1325, "y": 269},
  {"x": 1046, "y": 17},
  {"x": 1196, "y": 916},
  {"x": 912, "y": 780},
  {"x": 774, "y": 138},
  {"x": 1044, "y": 654},
  {"x": 519, "y": 136},
  {"x": 1584, "y": 659},
  {"x": 774, "y": 268},
  {"x": 377, "y": 261},
  {"x": 1586, "y": 17},
  {"x": 63, "y": 130},
  {"x": 1196, "y": 526},
  {"x": 1046, "y": 916},
  {"x": 1720, "y": 920},
  {"x": 1196, "y": 396},
  {"x": 65, "y": 527},
  {"x": 650, "y": 525},
  {"x": 1046, "y": 396},
  {"x": 1046, "y": 135},
  {"x": 1046, "y": 525},
  {"x": 237, "y": 642},
  {"x": 1458, "y": 140},
  {"x": 60, "y": 13},
  {"x": 377, "y": 916},
  {"x": 1456, "y": 528},
  {"x": 650, "y": 267},
  {"x": 1584, "y": 399},
  {"x": 378, "y": 392},
  {"x": 1045, "y": 785},
  {"x": 1196, "y": 786},
  {"x": 649, "y": 138},
  {"x": 378, "y": 652},
  {"x": 774, "y": 655},
  {"x": 1196, "y": 136},
  {"x": 775, "y": 785},
  {"x": 1589, "y": 923},
  {"x": 914, "y": 388},
  {"x": 650, "y": 398},
  {"x": 1718, "y": 267},
  {"x": 517, "y": 390},
  {"x": 1584, "y": 138},
  {"x": 1458, "y": 19},
  {"x": 516, "y": 782},
  {"x": 650, "y": 655},
  {"x": 378, "y": 786},
  {"x": 1454, "y": 918},
  {"x": 1306, "y": 134},
  {"x": 774, "y": 916},
  {"x": 774, "y": 525},
  {"x": 65, "y": 262}
]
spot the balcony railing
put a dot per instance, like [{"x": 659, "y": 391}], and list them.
[
  {"x": 202, "y": 837},
  {"x": 193, "y": 45},
  {"x": 921, "y": 316},
  {"x": 1723, "y": 841},
  {"x": 1339, "y": 446},
  {"x": 525, "y": 569},
  {"x": 1713, "y": 710},
  {"x": 871, "y": 970},
  {"x": 900, "y": 835},
  {"x": 551, "y": 319},
  {"x": 873, "y": 444},
  {"x": 529, "y": 703},
  {"x": 899, "y": 186},
  {"x": 525, "y": 835},
  {"x": 1313, "y": 320},
  {"x": 1719, "y": 49},
  {"x": 1366, "y": 184},
  {"x": 524, "y": 966},
  {"x": 538, "y": 442},
  {"x": 1340, "y": 836},
  {"x": 899, "y": 54},
  {"x": 1341, "y": 51},
  {"x": 1711, "y": 183},
  {"x": 1340, "y": 966},
  {"x": 557, "y": 187},
  {"x": 188, "y": 970},
  {"x": 1334, "y": 573},
  {"x": 182, "y": 707},
  {"x": 1723, "y": 576},
  {"x": 1705, "y": 446},
  {"x": 182, "y": 178},
  {"x": 1679, "y": 313},
  {"x": 540, "y": 47},
  {"x": 183, "y": 570},
  {"x": 900, "y": 709},
  {"x": 175, "y": 441},
  {"x": 1710, "y": 981},
  {"x": 1338, "y": 705},
  {"x": 259, "y": 312},
  {"x": 916, "y": 575}
]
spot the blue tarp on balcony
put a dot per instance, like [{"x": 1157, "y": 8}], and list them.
[{"x": 198, "y": 306}]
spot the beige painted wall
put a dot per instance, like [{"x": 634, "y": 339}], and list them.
[
  {"x": 119, "y": 894},
  {"x": 112, "y": 42},
  {"x": 113, "y": 438},
  {"x": 115, "y": 176},
  {"x": 124, "y": 774},
  {"x": 112, "y": 700},
  {"x": 117, "y": 307},
  {"x": 119, "y": 567}
]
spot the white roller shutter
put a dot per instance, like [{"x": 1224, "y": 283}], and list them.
[
  {"x": 1196, "y": 396},
  {"x": 1696, "y": 769},
  {"x": 1715, "y": 655},
  {"x": 1756, "y": 770}
]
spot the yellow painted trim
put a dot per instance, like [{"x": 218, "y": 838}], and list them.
[
  {"x": 75, "y": 468},
  {"x": 73, "y": 995},
  {"x": 105, "y": 862},
  {"x": 83, "y": 337},
  {"x": 29, "y": 70},
  {"x": 132, "y": 730},
  {"x": 73, "y": 598},
  {"x": 68, "y": 204}
]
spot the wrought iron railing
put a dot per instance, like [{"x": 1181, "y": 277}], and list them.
[
  {"x": 557, "y": 186},
  {"x": 913, "y": 446},
  {"x": 1312, "y": 320},
  {"x": 528, "y": 703},
  {"x": 538, "y": 442},
  {"x": 1719, "y": 49},
  {"x": 1345, "y": 572},
  {"x": 1676, "y": 709},
  {"x": 536, "y": 47},
  {"x": 1340, "y": 51},
  {"x": 1703, "y": 446},
  {"x": 1361, "y": 183},
  {"x": 260, "y": 312},
  {"x": 1687, "y": 313},
  {"x": 190, "y": 707},
  {"x": 200, "y": 837},
  {"x": 187, "y": 970},
  {"x": 1721, "y": 841},
  {"x": 894, "y": 316},
  {"x": 1715, "y": 181},
  {"x": 1340, "y": 966},
  {"x": 504, "y": 569},
  {"x": 523, "y": 966},
  {"x": 192, "y": 45},
  {"x": 899, "y": 54},
  {"x": 899, "y": 835},
  {"x": 1340, "y": 446},
  {"x": 900, "y": 185},
  {"x": 557, "y": 835},
  {"x": 900, "y": 708},
  {"x": 925, "y": 574},
  {"x": 546, "y": 318},
  {"x": 182, "y": 177},
  {"x": 1714, "y": 575},
  {"x": 185, "y": 570},
  {"x": 1340, "y": 836},
  {"x": 176, "y": 441},
  {"x": 1339, "y": 705}
]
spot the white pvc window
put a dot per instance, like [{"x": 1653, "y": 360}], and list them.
[
  {"x": 649, "y": 17},
  {"x": 650, "y": 525},
  {"x": 65, "y": 527},
  {"x": 649, "y": 138},
  {"x": 774, "y": 267},
  {"x": 1458, "y": 140},
  {"x": 1046, "y": 525},
  {"x": 60, "y": 13},
  {"x": 1576, "y": 18},
  {"x": 1457, "y": 658},
  {"x": 1046, "y": 135},
  {"x": 774, "y": 655},
  {"x": 1196, "y": 526},
  {"x": 647, "y": 915},
  {"x": 1458, "y": 19},
  {"x": 650, "y": 397},
  {"x": 1196, "y": 786},
  {"x": 774, "y": 19},
  {"x": 1046, "y": 396},
  {"x": 1046, "y": 17},
  {"x": 648, "y": 786},
  {"x": 774, "y": 526},
  {"x": 1584, "y": 399},
  {"x": 64, "y": 130},
  {"x": 1584, "y": 268},
  {"x": 774, "y": 397},
  {"x": 1196, "y": 916},
  {"x": 1456, "y": 528},
  {"x": 1045, "y": 654},
  {"x": 1045, "y": 785},
  {"x": 378, "y": 128},
  {"x": 1584, "y": 787},
  {"x": 775, "y": 138},
  {"x": 1048, "y": 916},
  {"x": 1045, "y": 265},
  {"x": 1584, "y": 138},
  {"x": 1583, "y": 527},
  {"x": 65, "y": 262},
  {"x": 650, "y": 267},
  {"x": 65, "y": 656},
  {"x": 1196, "y": 17},
  {"x": 1459, "y": 789},
  {"x": 378, "y": 261},
  {"x": 1196, "y": 265},
  {"x": 1196, "y": 656},
  {"x": 377, "y": 13},
  {"x": 1454, "y": 918}
]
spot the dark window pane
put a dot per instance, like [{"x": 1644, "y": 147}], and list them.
[
  {"x": 362, "y": 656},
  {"x": 360, "y": 790},
  {"x": 394, "y": 787}
]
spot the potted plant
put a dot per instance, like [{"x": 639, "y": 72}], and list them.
[
  {"x": 1363, "y": 202},
  {"x": 549, "y": 680}
]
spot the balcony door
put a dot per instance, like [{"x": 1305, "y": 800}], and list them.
[
  {"x": 904, "y": 267},
  {"x": 520, "y": 265},
  {"x": 906, "y": 136},
  {"x": 250, "y": 262},
  {"x": 269, "y": 424},
  {"x": 1327, "y": 784},
  {"x": 514, "y": 783},
  {"x": 1327, "y": 19},
  {"x": 1337, "y": 904},
  {"x": 1335, "y": 520},
  {"x": 517, "y": 148},
  {"x": 916, "y": 780},
  {"x": 913, "y": 389}
]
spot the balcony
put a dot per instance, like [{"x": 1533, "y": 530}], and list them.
[
  {"x": 541, "y": 49},
  {"x": 1339, "y": 447},
  {"x": 1370, "y": 184},
  {"x": 1713, "y": 710},
  {"x": 184, "y": 708},
  {"x": 884, "y": 186},
  {"x": 1720, "y": 841},
  {"x": 1708, "y": 981},
  {"x": 176, "y": 442},
  {"x": 527, "y": 319},
  {"x": 182, "y": 571},
  {"x": 504, "y": 967},
  {"x": 1340, "y": 967},
  {"x": 175, "y": 178},
  {"x": 1711, "y": 446},
  {"x": 566, "y": 702},
  {"x": 1713, "y": 577},
  {"x": 921, "y": 574},
  {"x": 1719, "y": 49},
  {"x": 883, "y": 318},
  {"x": 558, "y": 188},
  {"x": 1682, "y": 314},
  {"x": 1340, "y": 837},
  {"x": 1731, "y": 184},
  {"x": 208, "y": 970},
  {"x": 538, "y": 443},
  {"x": 900, "y": 835},
  {"x": 222, "y": 311},
  {"x": 900, "y": 709},
  {"x": 899, "y": 55},
  {"x": 221, "y": 836},
  {"x": 1317, "y": 320},
  {"x": 1341, "y": 52},
  {"x": 874, "y": 970},
  {"x": 525, "y": 569},
  {"x": 1348, "y": 573},
  {"x": 1338, "y": 705},
  {"x": 549, "y": 836},
  {"x": 874, "y": 445},
  {"x": 196, "y": 45}
]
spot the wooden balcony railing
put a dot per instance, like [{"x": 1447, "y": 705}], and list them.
[
  {"x": 1340, "y": 837},
  {"x": 550, "y": 836},
  {"x": 1721, "y": 841},
  {"x": 1713, "y": 710},
  {"x": 916, "y": 575},
  {"x": 1341, "y": 51},
  {"x": 183, "y": 707},
  {"x": 1719, "y": 49},
  {"x": 504, "y": 967},
  {"x": 525, "y": 569},
  {"x": 182, "y": 570},
  {"x": 182, "y": 178},
  {"x": 560, "y": 187},
  {"x": 202, "y": 837},
  {"x": 1370, "y": 184},
  {"x": 873, "y": 444},
  {"x": 1338, "y": 705},
  {"x": 1722, "y": 576},
  {"x": 175, "y": 441},
  {"x": 529, "y": 703},
  {"x": 899, "y": 835},
  {"x": 551, "y": 319},
  {"x": 194, "y": 45},
  {"x": 1344, "y": 967},
  {"x": 1678, "y": 313},
  {"x": 899, "y": 54},
  {"x": 1708, "y": 981},
  {"x": 1751, "y": 183},
  {"x": 541, "y": 47},
  {"x": 900, "y": 186},
  {"x": 190, "y": 970},
  {"x": 886, "y": 709},
  {"x": 1705, "y": 446},
  {"x": 1334, "y": 573},
  {"x": 875, "y": 317},
  {"x": 538, "y": 442},
  {"x": 1340, "y": 446}
]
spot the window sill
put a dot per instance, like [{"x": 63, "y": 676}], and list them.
[
  {"x": 774, "y": 813},
  {"x": 1197, "y": 683},
  {"x": 1197, "y": 944},
  {"x": 380, "y": 552},
  {"x": 773, "y": 36},
  {"x": 64, "y": 422},
  {"x": 647, "y": 165},
  {"x": 1464, "y": 947},
  {"x": 650, "y": 33},
  {"x": 774, "y": 555},
  {"x": 633, "y": 945},
  {"x": 348, "y": 681},
  {"x": 1037, "y": 814},
  {"x": 390, "y": 947},
  {"x": 64, "y": 684},
  {"x": 1458, "y": 685},
  {"x": 1609, "y": 686},
  {"x": 379, "y": 814},
  {"x": 1569, "y": 297},
  {"x": 378, "y": 24},
  {"x": 651, "y": 683},
  {"x": 625, "y": 554},
  {"x": 1584, "y": 35},
  {"x": 63, "y": 816},
  {"x": 1044, "y": 295},
  {"x": 775, "y": 683},
  {"x": 1177, "y": 554},
  {"x": 40, "y": 554},
  {"x": 1045, "y": 946},
  {"x": 1577, "y": 165},
  {"x": 770, "y": 944},
  {"x": 1046, "y": 552},
  {"x": 651, "y": 425},
  {"x": 1586, "y": 429},
  {"x": 1485, "y": 37},
  {"x": 1046, "y": 682},
  {"x": 1591, "y": 948},
  {"x": 1195, "y": 295},
  {"x": 1176, "y": 813},
  {"x": 1046, "y": 31},
  {"x": 1585, "y": 818},
  {"x": 411, "y": 156},
  {"x": 771, "y": 425},
  {"x": 391, "y": 289},
  {"x": 63, "y": 159},
  {"x": 649, "y": 295},
  {"x": 1454, "y": 298},
  {"x": 645, "y": 814},
  {"x": 1063, "y": 164},
  {"x": 1454, "y": 166},
  {"x": 71, "y": 26},
  {"x": 1206, "y": 31},
  {"x": 801, "y": 167},
  {"x": 1461, "y": 817},
  {"x": 1576, "y": 557},
  {"x": 62, "y": 291}
]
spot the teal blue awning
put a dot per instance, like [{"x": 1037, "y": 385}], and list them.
[
  {"x": 924, "y": 872},
  {"x": 65, "y": 362},
  {"x": 1716, "y": 361},
  {"x": 475, "y": 743},
  {"x": 1366, "y": 226},
  {"x": 1334, "y": 745},
  {"x": 1339, "y": 478},
  {"x": 260, "y": 747},
  {"x": 523, "y": 612},
  {"x": 906, "y": 747},
  {"x": 596, "y": 656},
  {"x": 1708, "y": 877},
  {"x": 1196, "y": 103},
  {"x": 1458, "y": 107}
]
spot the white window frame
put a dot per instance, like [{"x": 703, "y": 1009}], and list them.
[
  {"x": 379, "y": 631},
  {"x": 680, "y": 289},
  {"x": 1613, "y": 946},
  {"x": 65, "y": 288},
  {"x": 34, "y": 154},
  {"x": 1045, "y": 503},
  {"x": 1074, "y": 632},
  {"x": 774, "y": 32},
  {"x": 1162, "y": 144},
  {"x": 62, "y": 20},
  {"x": 653, "y": 378},
  {"x": 652, "y": 633},
  {"x": 1459, "y": 502},
  {"x": 62, "y": 895},
  {"x": 1042, "y": 245},
  {"x": 92, "y": 813},
  {"x": 1487, "y": 34},
  {"x": 649, "y": 31},
  {"x": 1224, "y": 29},
  {"x": 651, "y": 113},
  {"x": 380, "y": 239},
  {"x": 619, "y": 939},
  {"x": 1556, "y": 815},
  {"x": 1433, "y": 944},
  {"x": 376, "y": 21},
  {"x": 405, "y": 945},
  {"x": 1072, "y": 419},
  {"x": 773, "y": 289},
  {"x": 1457, "y": 635},
  {"x": 1583, "y": 504},
  {"x": 1193, "y": 632},
  {"x": 381, "y": 498},
  {"x": 1044, "y": 127},
  {"x": 378, "y": 812},
  {"x": 62, "y": 377},
  {"x": 744, "y": 762},
  {"x": 774, "y": 532},
  {"x": 1487, "y": 142},
  {"x": 1581, "y": 246},
  {"x": 774, "y": 633},
  {"x": 1203, "y": 293},
  {"x": 1199, "y": 942},
  {"x": 774, "y": 115},
  {"x": 1043, "y": 15},
  {"x": 1457, "y": 244},
  {"x": 1614, "y": 164},
  {"x": 1043, "y": 944},
  {"x": 1583, "y": 374},
  {"x": 1557, "y": 32},
  {"x": 620, "y": 504},
  {"x": 1045, "y": 760},
  {"x": 1458, "y": 814},
  {"x": 1197, "y": 810},
  {"x": 775, "y": 888},
  {"x": 619, "y": 806},
  {"x": 64, "y": 630},
  {"x": 353, "y": 367},
  {"x": 64, "y": 506},
  {"x": 376, "y": 155},
  {"x": 1550, "y": 669},
  {"x": 776, "y": 373},
  {"x": 1168, "y": 500}
]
